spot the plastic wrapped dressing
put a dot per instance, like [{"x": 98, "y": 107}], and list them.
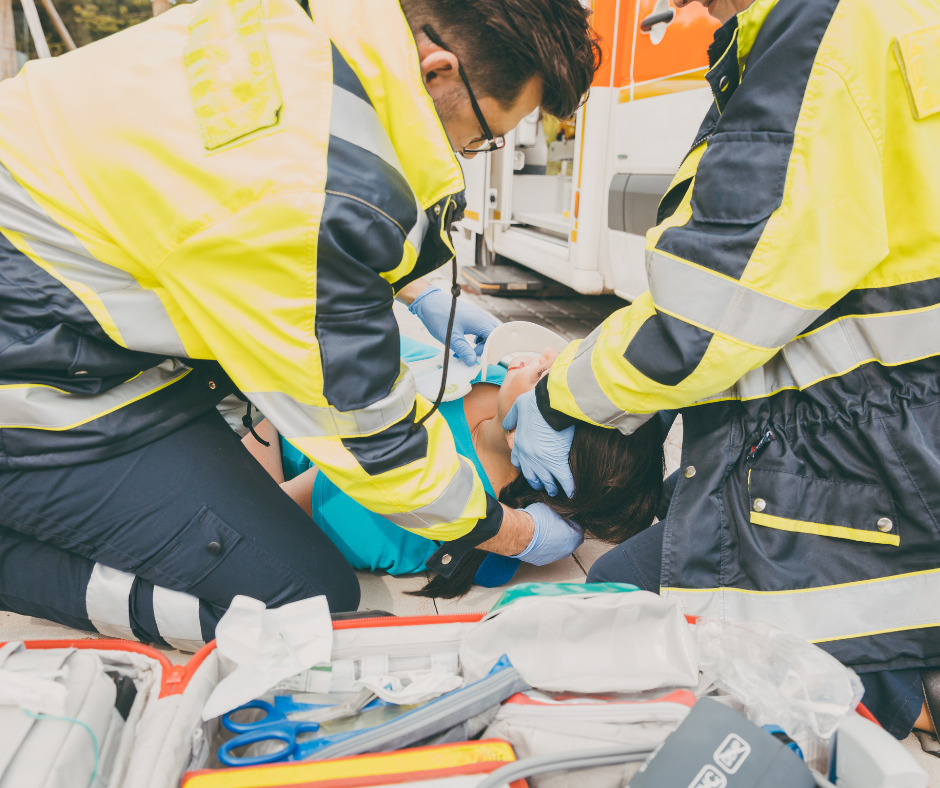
[{"x": 780, "y": 680}]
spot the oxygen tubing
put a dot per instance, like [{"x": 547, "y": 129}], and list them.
[{"x": 585, "y": 759}]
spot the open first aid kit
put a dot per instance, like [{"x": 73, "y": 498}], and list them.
[{"x": 559, "y": 685}]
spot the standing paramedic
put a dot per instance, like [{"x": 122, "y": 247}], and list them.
[
  {"x": 227, "y": 199},
  {"x": 794, "y": 316}
]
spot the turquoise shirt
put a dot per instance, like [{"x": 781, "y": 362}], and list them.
[{"x": 368, "y": 540}]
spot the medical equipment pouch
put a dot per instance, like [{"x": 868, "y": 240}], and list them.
[{"x": 75, "y": 746}]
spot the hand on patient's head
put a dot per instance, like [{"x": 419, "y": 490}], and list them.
[{"x": 523, "y": 374}]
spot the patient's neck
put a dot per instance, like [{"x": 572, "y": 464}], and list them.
[{"x": 489, "y": 441}]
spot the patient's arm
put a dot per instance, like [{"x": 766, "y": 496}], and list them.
[
  {"x": 300, "y": 488},
  {"x": 268, "y": 456}
]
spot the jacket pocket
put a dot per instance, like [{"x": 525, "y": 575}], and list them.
[
  {"x": 842, "y": 510},
  {"x": 741, "y": 177}
]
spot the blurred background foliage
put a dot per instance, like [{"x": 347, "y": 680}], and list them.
[{"x": 86, "y": 21}]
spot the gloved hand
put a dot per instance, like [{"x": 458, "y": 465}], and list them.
[
  {"x": 432, "y": 308},
  {"x": 553, "y": 539},
  {"x": 539, "y": 451}
]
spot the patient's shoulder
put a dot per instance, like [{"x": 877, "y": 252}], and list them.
[{"x": 480, "y": 404}]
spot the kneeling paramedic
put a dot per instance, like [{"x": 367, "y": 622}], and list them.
[
  {"x": 794, "y": 316},
  {"x": 226, "y": 199}
]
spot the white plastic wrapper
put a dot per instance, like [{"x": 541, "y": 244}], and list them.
[
  {"x": 626, "y": 642},
  {"x": 780, "y": 680}
]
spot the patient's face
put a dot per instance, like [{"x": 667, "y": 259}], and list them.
[{"x": 522, "y": 376}]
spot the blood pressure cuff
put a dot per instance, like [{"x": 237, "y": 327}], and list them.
[{"x": 715, "y": 747}]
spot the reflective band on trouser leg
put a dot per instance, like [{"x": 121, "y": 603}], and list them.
[
  {"x": 447, "y": 508},
  {"x": 827, "y": 613},
  {"x": 590, "y": 397},
  {"x": 177, "y": 617},
  {"x": 28, "y": 405},
  {"x": 107, "y": 602},
  {"x": 891, "y": 339},
  {"x": 137, "y": 312},
  {"x": 356, "y": 122},
  {"x": 723, "y": 305},
  {"x": 294, "y": 419}
]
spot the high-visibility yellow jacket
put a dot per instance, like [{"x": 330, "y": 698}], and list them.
[
  {"x": 795, "y": 291},
  {"x": 232, "y": 190}
]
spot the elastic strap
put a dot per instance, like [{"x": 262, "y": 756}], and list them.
[{"x": 454, "y": 292}]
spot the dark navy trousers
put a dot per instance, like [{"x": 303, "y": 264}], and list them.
[
  {"x": 895, "y": 697},
  {"x": 154, "y": 544}
]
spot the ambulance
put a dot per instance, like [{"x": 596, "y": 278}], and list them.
[{"x": 572, "y": 201}]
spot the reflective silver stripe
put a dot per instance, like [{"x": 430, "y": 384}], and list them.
[
  {"x": 294, "y": 419},
  {"x": 891, "y": 339},
  {"x": 591, "y": 399},
  {"x": 44, "y": 407},
  {"x": 827, "y": 613},
  {"x": 177, "y": 617},
  {"x": 107, "y": 602},
  {"x": 137, "y": 312},
  {"x": 447, "y": 508},
  {"x": 356, "y": 122},
  {"x": 723, "y": 305}
]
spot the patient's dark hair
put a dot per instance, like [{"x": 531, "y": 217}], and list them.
[{"x": 618, "y": 489}]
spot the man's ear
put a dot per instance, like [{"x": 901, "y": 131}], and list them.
[{"x": 436, "y": 63}]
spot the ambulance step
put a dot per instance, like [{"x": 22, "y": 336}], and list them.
[{"x": 511, "y": 281}]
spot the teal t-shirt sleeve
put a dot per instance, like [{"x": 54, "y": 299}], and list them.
[
  {"x": 366, "y": 539},
  {"x": 293, "y": 461}
]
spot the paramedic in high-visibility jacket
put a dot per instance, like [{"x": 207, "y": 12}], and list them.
[
  {"x": 793, "y": 316},
  {"x": 227, "y": 199}
]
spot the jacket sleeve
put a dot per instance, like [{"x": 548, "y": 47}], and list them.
[
  {"x": 771, "y": 230},
  {"x": 300, "y": 318}
]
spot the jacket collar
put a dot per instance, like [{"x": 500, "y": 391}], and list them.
[
  {"x": 375, "y": 39},
  {"x": 728, "y": 53}
]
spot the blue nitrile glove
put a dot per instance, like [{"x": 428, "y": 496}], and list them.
[
  {"x": 553, "y": 539},
  {"x": 432, "y": 308},
  {"x": 539, "y": 451}
]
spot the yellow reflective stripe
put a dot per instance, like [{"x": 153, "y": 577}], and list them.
[
  {"x": 296, "y": 420},
  {"x": 26, "y": 406},
  {"x": 820, "y": 529},
  {"x": 408, "y": 260},
  {"x": 231, "y": 78},
  {"x": 136, "y": 312},
  {"x": 723, "y": 305},
  {"x": 824, "y": 613}
]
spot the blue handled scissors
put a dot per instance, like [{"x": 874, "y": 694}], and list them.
[{"x": 276, "y": 725}]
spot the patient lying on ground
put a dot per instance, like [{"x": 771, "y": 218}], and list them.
[{"x": 618, "y": 478}]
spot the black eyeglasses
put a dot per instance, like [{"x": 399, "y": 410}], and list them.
[{"x": 489, "y": 142}]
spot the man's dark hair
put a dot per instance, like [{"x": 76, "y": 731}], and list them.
[
  {"x": 618, "y": 489},
  {"x": 502, "y": 44}
]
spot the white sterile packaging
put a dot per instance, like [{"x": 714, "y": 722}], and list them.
[
  {"x": 620, "y": 642},
  {"x": 267, "y": 646}
]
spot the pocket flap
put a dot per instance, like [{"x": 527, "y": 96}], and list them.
[
  {"x": 843, "y": 510},
  {"x": 231, "y": 77},
  {"x": 918, "y": 55},
  {"x": 741, "y": 177}
]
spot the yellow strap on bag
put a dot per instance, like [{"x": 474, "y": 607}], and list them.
[
  {"x": 231, "y": 77},
  {"x": 421, "y": 763}
]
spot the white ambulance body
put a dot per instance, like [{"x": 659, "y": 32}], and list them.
[{"x": 577, "y": 210}]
